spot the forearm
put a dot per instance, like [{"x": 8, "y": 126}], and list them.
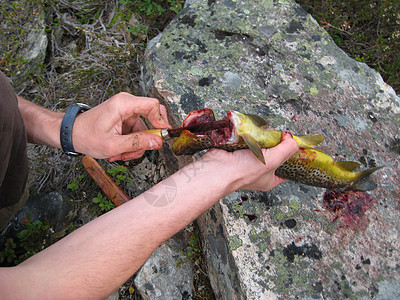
[
  {"x": 97, "y": 258},
  {"x": 42, "y": 125}
]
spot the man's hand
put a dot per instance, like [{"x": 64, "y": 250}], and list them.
[
  {"x": 246, "y": 172},
  {"x": 107, "y": 130}
]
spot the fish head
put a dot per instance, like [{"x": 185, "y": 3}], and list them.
[
  {"x": 236, "y": 122},
  {"x": 245, "y": 122},
  {"x": 244, "y": 130}
]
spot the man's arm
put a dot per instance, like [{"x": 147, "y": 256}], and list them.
[
  {"x": 97, "y": 258},
  {"x": 42, "y": 125}
]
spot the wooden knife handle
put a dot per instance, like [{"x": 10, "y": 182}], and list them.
[
  {"x": 157, "y": 132},
  {"x": 107, "y": 185}
]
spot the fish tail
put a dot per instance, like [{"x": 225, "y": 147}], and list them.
[
  {"x": 364, "y": 182},
  {"x": 307, "y": 141}
]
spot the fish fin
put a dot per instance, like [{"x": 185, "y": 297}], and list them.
[
  {"x": 311, "y": 139},
  {"x": 258, "y": 121},
  {"x": 348, "y": 165},
  {"x": 364, "y": 182},
  {"x": 254, "y": 146}
]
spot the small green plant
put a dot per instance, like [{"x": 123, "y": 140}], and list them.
[
  {"x": 138, "y": 29},
  {"x": 32, "y": 239},
  {"x": 148, "y": 7},
  {"x": 193, "y": 252},
  {"x": 361, "y": 58},
  {"x": 176, "y": 5},
  {"x": 118, "y": 174},
  {"x": 7, "y": 255},
  {"x": 73, "y": 186},
  {"x": 103, "y": 202},
  {"x": 131, "y": 289},
  {"x": 154, "y": 15}
]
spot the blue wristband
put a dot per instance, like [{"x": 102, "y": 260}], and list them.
[{"x": 66, "y": 127}]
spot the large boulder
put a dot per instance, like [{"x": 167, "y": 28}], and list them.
[{"x": 270, "y": 58}]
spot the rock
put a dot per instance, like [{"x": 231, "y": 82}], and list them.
[
  {"x": 271, "y": 58},
  {"x": 34, "y": 50},
  {"x": 113, "y": 296},
  {"x": 55, "y": 206},
  {"x": 163, "y": 277}
]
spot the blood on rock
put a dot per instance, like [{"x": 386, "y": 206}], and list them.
[{"x": 350, "y": 208}]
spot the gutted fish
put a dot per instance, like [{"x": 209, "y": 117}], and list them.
[{"x": 308, "y": 166}]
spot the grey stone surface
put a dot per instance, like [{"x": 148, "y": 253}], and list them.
[
  {"x": 271, "y": 58},
  {"x": 55, "y": 206},
  {"x": 162, "y": 277}
]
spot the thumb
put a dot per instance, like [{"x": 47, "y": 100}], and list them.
[{"x": 138, "y": 142}]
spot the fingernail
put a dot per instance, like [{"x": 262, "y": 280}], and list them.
[{"x": 285, "y": 134}]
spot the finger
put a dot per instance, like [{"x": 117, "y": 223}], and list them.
[
  {"x": 133, "y": 124},
  {"x": 164, "y": 113},
  {"x": 138, "y": 126},
  {"x": 158, "y": 116},
  {"x": 138, "y": 142},
  {"x": 150, "y": 108},
  {"x": 127, "y": 156},
  {"x": 283, "y": 151},
  {"x": 132, "y": 155}
]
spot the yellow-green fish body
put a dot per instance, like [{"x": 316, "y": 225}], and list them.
[
  {"x": 308, "y": 166},
  {"x": 315, "y": 168}
]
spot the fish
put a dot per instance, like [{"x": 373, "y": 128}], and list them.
[{"x": 308, "y": 166}]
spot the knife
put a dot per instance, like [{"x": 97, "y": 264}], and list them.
[
  {"x": 107, "y": 185},
  {"x": 167, "y": 134}
]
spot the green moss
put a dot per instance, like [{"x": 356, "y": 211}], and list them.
[
  {"x": 307, "y": 215},
  {"x": 294, "y": 205},
  {"x": 262, "y": 239},
  {"x": 238, "y": 209},
  {"x": 283, "y": 2},
  {"x": 289, "y": 277},
  {"x": 267, "y": 4},
  {"x": 263, "y": 246},
  {"x": 235, "y": 242},
  {"x": 196, "y": 71},
  {"x": 277, "y": 214},
  {"x": 314, "y": 91}
]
